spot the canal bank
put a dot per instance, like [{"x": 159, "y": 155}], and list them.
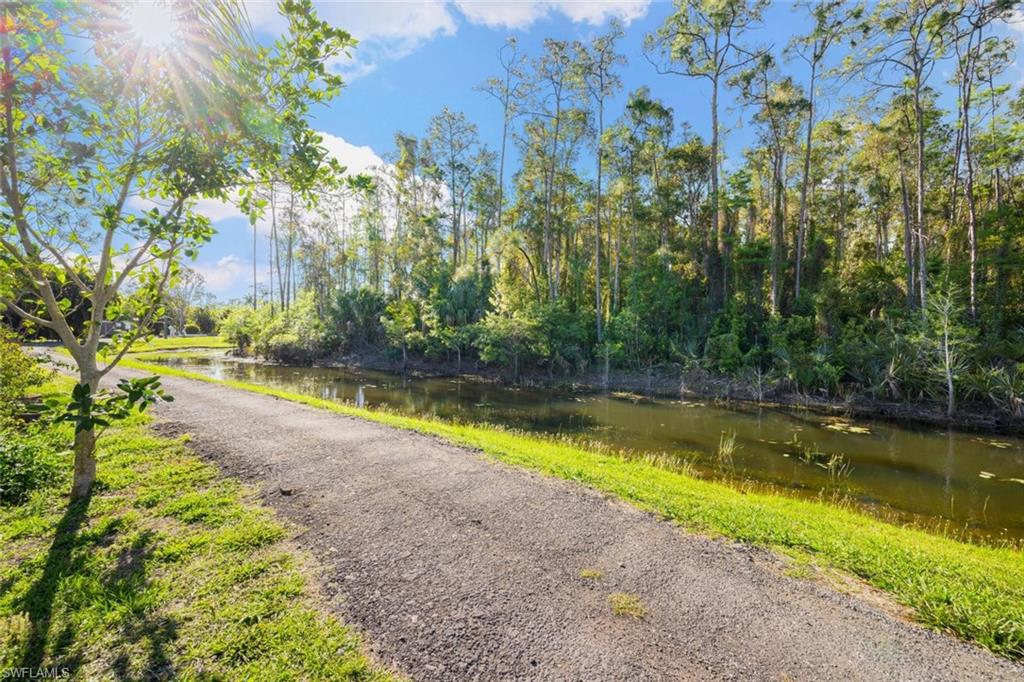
[
  {"x": 421, "y": 526},
  {"x": 961, "y": 483}
]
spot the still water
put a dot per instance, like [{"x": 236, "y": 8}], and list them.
[{"x": 961, "y": 480}]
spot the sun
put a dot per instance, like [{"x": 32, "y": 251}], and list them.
[{"x": 154, "y": 24}]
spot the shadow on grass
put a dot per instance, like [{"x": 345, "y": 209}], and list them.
[
  {"x": 122, "y": 583},
  {"x": 38, "y": 601}
]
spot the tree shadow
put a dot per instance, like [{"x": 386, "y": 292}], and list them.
[
  {"x": 38, "y": 601},
  {"x": 124, "y": 580}
]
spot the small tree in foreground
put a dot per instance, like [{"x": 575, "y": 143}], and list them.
[{"x": 115, "y": 118}]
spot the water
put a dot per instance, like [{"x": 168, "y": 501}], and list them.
[{"x": 960, "y": 480}]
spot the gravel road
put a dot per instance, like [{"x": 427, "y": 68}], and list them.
[{"x": 459, "y": 568}]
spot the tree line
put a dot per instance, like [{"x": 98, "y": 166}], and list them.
[{"x": 873, "y": 250}]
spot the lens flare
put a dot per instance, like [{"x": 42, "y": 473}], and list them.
[{"x": 153, "y": 24}]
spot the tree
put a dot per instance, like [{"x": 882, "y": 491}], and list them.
[
  {"x": 909, "y": 38},
  {"x": 109, "y": 155},
  {"x": 400, "y": 326},
  {"x": 453, "y": 139},
  {"x": 510, "y": 90},
  {"x": 779, "y": 103},
  {"x": 184, "y": 292},
  {"x": 556, "y": 85},
  {"x": 600, "y": 82},
  {"x": 701, "y": 40},
  {"x": 830, "y": 23},
  {"x": 946, "y": 341}
]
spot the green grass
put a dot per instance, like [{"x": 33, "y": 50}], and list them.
[
  {"x": 181, "y": 343},
  {"x": 973, "y": 591},
  {"x": 168, "y": 571},
  {"x": 181, "y": 356},
  {"x": 627, "y": 605}
]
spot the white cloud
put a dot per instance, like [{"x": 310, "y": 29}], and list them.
[
  {"x": 355, "y": 159},
  {"x": 224, "y": 275},
  {"x": 514, "y": 14},
  {"x": 1015, "y": 22},
  {"x": 391, "y": 30},
  {"x": 596, "y": 13},
  {"x": 386, "y": 30},
  {"x": 503, "y": 13}
]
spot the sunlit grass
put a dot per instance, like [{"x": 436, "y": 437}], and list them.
[
  {"x": 976, "y": 592},
  {"x": 627, "y": 605},
  {"x": 181, "y": 343},
  {"x": 168, "y": 571}
]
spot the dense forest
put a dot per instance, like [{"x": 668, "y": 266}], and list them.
[{"x": 874, "y": 252}]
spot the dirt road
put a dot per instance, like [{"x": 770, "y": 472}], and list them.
[{"x": 459, "y": 568}]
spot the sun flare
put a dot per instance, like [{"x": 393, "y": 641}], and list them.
[{"x": 153, "y": 24}]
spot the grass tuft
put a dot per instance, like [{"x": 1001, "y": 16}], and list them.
[{"x": 627, "y": 605}]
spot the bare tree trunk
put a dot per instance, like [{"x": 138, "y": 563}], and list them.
[
  {"x": 922, "y": 234},
  {"x": 85, "y": 441},
  {"x": 618, "y": 260},
  {"x": 552, "y": 281},
  {"x": 254, "y": 232},
  {"x": 597, "y": 222},
  {"x": 711, "y": 255},
  {"x": 972, "y": 220},
  {"x": 802, "y": 227},
  {"x": 776, "y": 260},
  {"x": 908, "y": 236}
]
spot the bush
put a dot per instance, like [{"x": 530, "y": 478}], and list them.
[
  {"x": 24, "y": 467},
  {"x": 723, "y": 353},
  {"x": 18, "y": 373},
  {"x": 191, "y": 329},
  {"x": 355, "y": 318},
  {"x": 295, "y": 336},
  {"x": 242, "y": 325},
  {"x": 205, "y": 319}
]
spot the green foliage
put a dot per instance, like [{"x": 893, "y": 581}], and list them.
[
  {"x": 723, "y": 354},
  {"x": 88, "y": 409},
  {"x": 26, "y": 464},
  {"x": 242, "y": 325},
  {"x": 510, "y": 337},
  {"x": 356, "y": 318},
  {"x": 205, "y": 320},
  {"x": 401, "y": 325},
  {"x": 295, "y": 336},
  {"x": 18, "y": 374}
]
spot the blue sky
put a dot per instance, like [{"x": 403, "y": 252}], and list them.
[{"x": 416, "y": 57}]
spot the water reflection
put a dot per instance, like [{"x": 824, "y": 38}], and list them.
[{"x": 973, "y": 481}]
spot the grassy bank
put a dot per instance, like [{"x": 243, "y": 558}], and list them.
[
  {"x": 973, "y": 591},
  {"x": 181, "y": 343},
  {"x": 168, "y": 571}
]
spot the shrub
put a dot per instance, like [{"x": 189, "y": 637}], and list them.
[
  {"x": 295, "y": 336},
  {"x": 242, "y": 325},
  {"x": 723, "y": 353},
  {"x": 355, "y": 318},
  {"x": 18, "y": 373},
  {"x": 191, "y": 328},
  {"x": 24, "y": 467},
  {"x": 205, "y": 319}
]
